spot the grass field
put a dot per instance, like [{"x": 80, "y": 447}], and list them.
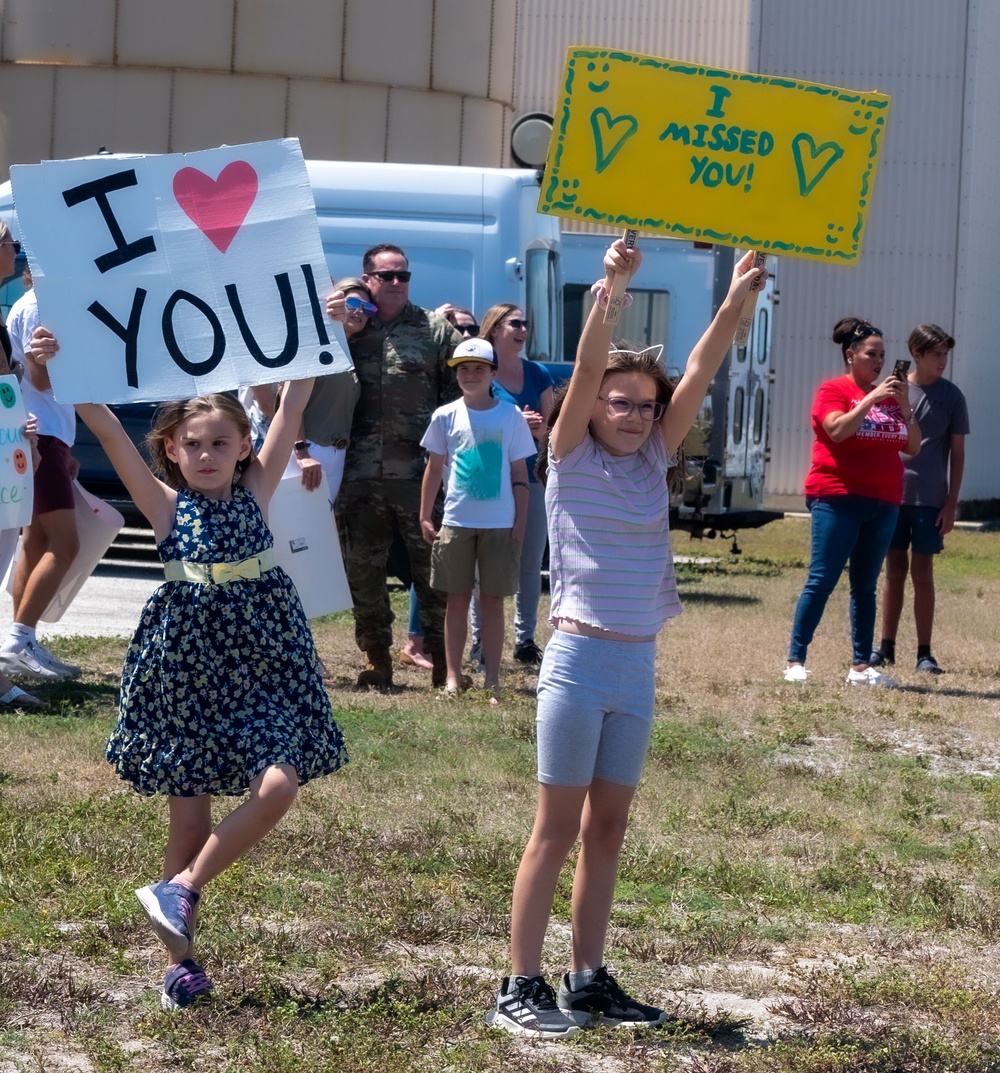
[{"x": 811, "y": 881}]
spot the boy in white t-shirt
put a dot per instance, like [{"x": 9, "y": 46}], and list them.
[{"x": 484, "y": 443}]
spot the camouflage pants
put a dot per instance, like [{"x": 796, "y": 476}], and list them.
[{"x": 367, "y": 511}]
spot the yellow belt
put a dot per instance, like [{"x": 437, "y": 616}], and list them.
[{"x": 220, "y": 573}]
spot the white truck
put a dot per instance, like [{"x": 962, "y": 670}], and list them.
[{"x": 473, "y": 238}]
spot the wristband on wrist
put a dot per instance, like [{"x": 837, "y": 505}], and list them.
[{"x": 602, "y": 294}]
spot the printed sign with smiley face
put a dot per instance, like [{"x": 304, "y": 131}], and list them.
[{"x": 16, "y": 477}]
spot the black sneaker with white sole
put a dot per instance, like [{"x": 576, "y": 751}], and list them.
[
  {"x": 603, "y": 1002},
  {"x": 526, "y": 1006}
]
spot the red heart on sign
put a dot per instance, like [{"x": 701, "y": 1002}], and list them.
[{"x": 217, "y": 206}]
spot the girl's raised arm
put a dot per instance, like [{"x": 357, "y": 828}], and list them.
[
  {"x": 708, "y": 354},
  {"x": 156, "y": 500},
  {"x": 265, "y": 472},
  {"x": 591, "y": 358}
]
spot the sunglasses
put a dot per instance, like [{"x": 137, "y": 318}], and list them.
[
  {"x": 387, "y": 277},
  {"x": 517, "y": 325},
  {"x": 12, "y": 242},
  {"x": 469, "y": 329},
  {"x": 354, "y": 303}
]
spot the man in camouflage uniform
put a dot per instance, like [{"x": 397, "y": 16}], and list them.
[{"x": 401, "y": 360}]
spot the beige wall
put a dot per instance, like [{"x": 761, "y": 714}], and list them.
[{"x": 421, "y": 81}]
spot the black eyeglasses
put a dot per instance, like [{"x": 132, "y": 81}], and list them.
[
  {"x": 12, "y": 242},
  {"x": 619, "y": 407},
  {"x": 387, "y": 276},
  {"x": 516, "y": 324},
  {"x": 468, "y": 329}
]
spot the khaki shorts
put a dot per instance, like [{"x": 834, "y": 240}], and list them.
[{"x": 458, "y": 551}]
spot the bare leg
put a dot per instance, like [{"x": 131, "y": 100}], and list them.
[
  {"x": 896, "y": 566},
  {"x": 557, "y": 823},
  {"x": 190, "y": 828},
  {"x": 922, "y": 573},
  {"x": 272, "y": 794},
  {"x": 605, "y": 818},
  {"x": 493, "y": 631},
  {"x": 456, "y": 629},
  {"x": 50, "y": 547}
]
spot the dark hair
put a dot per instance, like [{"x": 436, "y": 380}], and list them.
[
  {"x": 624, "y": 358},
  {"x": 368, "y": 261},
  {"x": 849, "y": 331},
  {"x": 492, "y": 317},
  {"x": 926, "y": 337},
  {"x": 171, "y": 415},
  {"x": 454, "y": 311}
]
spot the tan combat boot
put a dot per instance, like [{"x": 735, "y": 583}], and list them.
[{"x": 378, "y": 673}]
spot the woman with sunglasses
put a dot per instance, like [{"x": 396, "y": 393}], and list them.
[
  {"x": 326, "y": 422},
  {"x": 529, "y": 386},
  {"x": 853, "y": 491}
]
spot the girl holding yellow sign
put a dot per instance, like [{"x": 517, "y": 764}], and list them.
[{"x": 613, "y": 435}]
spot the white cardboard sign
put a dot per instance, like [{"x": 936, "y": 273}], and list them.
[
  {"x": 17, "y": 479},
  {"x": 97, "y": 525},
  {"x": 307, "y": 547},
  {"x": 166, "y": 277}
]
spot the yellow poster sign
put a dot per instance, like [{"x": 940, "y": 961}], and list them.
[{"x": 694, "y": 152}]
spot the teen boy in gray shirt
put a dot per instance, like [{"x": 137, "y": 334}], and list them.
[{"x": 931, "y": 483}]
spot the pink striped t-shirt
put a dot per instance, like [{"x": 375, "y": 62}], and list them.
[{"x": 610, "y": 563}]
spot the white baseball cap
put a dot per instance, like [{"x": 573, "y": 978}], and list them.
[{"x": 474, "y": 350}]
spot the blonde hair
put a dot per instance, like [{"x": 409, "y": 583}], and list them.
[{"x": 168, "y": 419}]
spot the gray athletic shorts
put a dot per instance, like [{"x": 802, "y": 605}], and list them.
[{"x": 595, "y": 710}]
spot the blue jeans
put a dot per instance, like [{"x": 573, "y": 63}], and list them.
[{"x": 843, "y": 527}]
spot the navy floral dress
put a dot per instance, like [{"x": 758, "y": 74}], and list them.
[{"x": 221, "y": 681}]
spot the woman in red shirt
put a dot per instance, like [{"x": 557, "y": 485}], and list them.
[{"x": 853, "y": 492}]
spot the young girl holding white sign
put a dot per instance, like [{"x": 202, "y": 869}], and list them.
[
  {"x": 613, "y": 433},
  {"x": 220, "y": 689}
]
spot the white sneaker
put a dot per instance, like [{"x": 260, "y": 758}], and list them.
[
  {"x": 29, "y": 661},
  {"x": 870, "y": 677},
  {"x": 796, "y": 673},
  {"x": 53, "y": 661}
]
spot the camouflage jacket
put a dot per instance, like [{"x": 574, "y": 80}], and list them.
[{"x": 404, "y": 375}]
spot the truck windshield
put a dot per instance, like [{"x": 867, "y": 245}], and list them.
[{"x": 543, "y": 299}]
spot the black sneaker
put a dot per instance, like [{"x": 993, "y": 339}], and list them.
[
  {"x": 929, "y": 665},
  {"x": 528, "y": 652},
  {"x": 526, "y": 1006},
  {"x": 602, "y": 1002},
  {"x": 879, "y": 659}
]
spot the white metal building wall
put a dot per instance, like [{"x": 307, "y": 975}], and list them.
[
  {"x": 977, "y": 307},
  {"x": 705, "y": 31},
  {"x": 933, "y": 225},
  {"x": 915, "y": 51}
]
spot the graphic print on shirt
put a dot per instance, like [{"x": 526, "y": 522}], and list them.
[
  {"x": 883, "y": 424},
  {"x": 478, "y": 464}
]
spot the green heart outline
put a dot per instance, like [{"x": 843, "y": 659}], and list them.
[
  {"x": 805, "y": 188},
  {"x": 604, "y": 159}
]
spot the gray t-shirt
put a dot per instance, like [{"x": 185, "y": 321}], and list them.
[{"x": 941, "y": 412}]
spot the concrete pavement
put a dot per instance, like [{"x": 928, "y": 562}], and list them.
[{"x": 108, "y": 605}]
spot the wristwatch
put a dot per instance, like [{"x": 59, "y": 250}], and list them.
[{"x": 300, "y": 445}]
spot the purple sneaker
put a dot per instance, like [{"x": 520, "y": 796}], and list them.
[
  {"x": 170, "y": 908},
  {"x": 184, "y": 984}
]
